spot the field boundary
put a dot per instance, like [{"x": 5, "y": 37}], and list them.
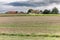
[
  {"x": 30, "y": 35},
  {"x": 12, "y": 15}
]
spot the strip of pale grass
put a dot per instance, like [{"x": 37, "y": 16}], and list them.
[
  {"x": 13, "y": 15},
  {"x": 25, "y": 25},
  {"x": 27, "y": 38}
]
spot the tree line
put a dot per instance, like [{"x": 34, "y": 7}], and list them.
[{"x": 46, "y": 11}]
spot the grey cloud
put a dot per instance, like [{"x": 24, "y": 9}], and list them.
[
  {"x": 30, "y": 3},
  {"x": 21, "y": 4},
  {"x": 34, "y": 3}
]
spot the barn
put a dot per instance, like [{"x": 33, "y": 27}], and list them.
[{"x": 12, "y": 12}]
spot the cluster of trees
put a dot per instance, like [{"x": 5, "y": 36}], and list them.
[{"x": 53, "y": 11}]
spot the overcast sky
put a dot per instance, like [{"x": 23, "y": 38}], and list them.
[{"x": 24, "y": 5}]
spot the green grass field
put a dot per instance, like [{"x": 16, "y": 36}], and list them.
[
  {"x": 26, "y": 38},
  {"x": 42, "y": 24},
  {"x": 14, "y": 15}
]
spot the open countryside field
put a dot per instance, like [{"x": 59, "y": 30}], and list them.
[{"x": 30, "y": 25}]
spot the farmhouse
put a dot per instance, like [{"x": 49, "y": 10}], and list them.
[
  {"x": 12, "y": 12},
  {"x": 34, "y": 12},
  {"x": 21, "y": 12}
]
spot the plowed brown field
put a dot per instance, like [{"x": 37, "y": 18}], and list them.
[{"x": 30, "y": 24}]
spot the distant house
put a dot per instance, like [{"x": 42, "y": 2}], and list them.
[
  {"x": 21, "y": 12},
  {"x": 34, "y": 12},
  {"x": 12, "y": 12}
]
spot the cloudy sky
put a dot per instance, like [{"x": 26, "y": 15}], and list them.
[{"x": 24, "y": 5}]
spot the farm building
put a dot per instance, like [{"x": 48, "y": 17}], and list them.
[
  {"x": 31, "y": 11},
  {"x": 35, "y": 11},
  {"x": 12, "y": 12},
  {"x": 21, "y": 12}
]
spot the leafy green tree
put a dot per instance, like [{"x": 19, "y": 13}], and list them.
[
  {"x": 29, "y": 11},
  {"x": 46, "y": 11},
  {"x": 55, "y": 11}
]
